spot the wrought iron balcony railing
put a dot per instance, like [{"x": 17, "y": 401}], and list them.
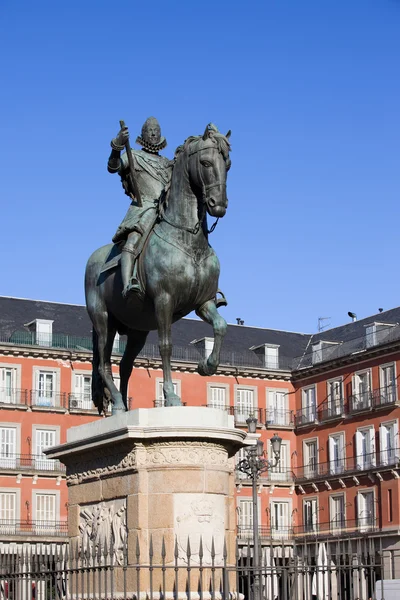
[
  {"x": 279, "y": 418},
  {"x": 29, "y": 462},
  {"x": 40, "y": 528},
  {"x": 241, "y": 414},
  {"x": 389, "y": 457},
  {"x": 306, "y": 416},
  {"x": 48, "y": 399},
  {"x": 10, "y": 395},
  {"x": 274, "y": 475},
  {"x": 332, "y": 408}
]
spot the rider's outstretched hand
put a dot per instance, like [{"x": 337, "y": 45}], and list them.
[{"x": 119, "y": 142}]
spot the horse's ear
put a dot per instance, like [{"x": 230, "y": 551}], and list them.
[
  {"x": 207, "y": 132},
  {"x": 228, "y": 135}
]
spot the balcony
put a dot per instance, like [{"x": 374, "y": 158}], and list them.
[
  {"x": 364, "y": 401},
  {"x": 245, "y": 533},
  {"x": 274, "y": 475},
  {"x": 337, "y": 527},
  {"x": 30, "y": 462},
  {"x": 13, "y": 527},
  {"x": 241, "y": 414},
  {"x": 332, "y": 408},
  {"x": 306, "y": 416},
  {"x": 13, "y": 396},
  {"x": 48, "y": 399},
  {"x": 350, "y": 465},
  {"x": 279, "y": 418},
  {"x": 386, "y": 396}
]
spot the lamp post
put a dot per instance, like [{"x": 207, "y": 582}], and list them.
[{"x": 253, "y": 465}]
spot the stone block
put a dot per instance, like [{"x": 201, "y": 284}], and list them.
[
  {"x": 216, "y": 482},
  {"x": 137, "y": 511},
  {"x": 161, "y": 510},
  {"x": 85, "y": 493},
  {"x": 176, "y": 480},
  {"x": 73, "y": 520}
]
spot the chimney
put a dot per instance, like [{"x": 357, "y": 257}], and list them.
[{"x": 353, "y": 316}]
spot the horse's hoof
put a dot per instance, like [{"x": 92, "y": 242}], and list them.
[
  {"x": 205, "y": 369},
  {"x": 173, "y": 400}
]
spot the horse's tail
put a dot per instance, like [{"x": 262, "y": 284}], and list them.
[{"x": 98, "y": 389}]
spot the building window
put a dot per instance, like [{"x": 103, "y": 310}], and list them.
[
  {"x": 45, "y": 392},
  {"x": 245, "y": 518},
  {"x": 46, "y": 513},
  {"x": 310, "y": 450},
  {"x": 8, "y": 447},
  {"x": 8, "y": 512},
  {"x": 335, "y": 398},
  {"x": 279, "y": 519},
  {"x": 8, "y": 384},
  {"x": 281, "y": 472},
  {"x": 387, "y": 376},
  {"x": 217, "y": 396},
  {"x": 309, "y": 404},
  {"x": 388, "y": 437},
  {"x": 277, "y": 408},
  {"x": 365, "y": 510},
  {"x": 336, "y": 453},
  {"x": 245, "y": 405},
  {"x": 160, "y": 400},
  {"x": 44, "y": 438},
  {"x": 365, "y": 448},
  {"x": 310, "y": 512},
  {"x": 239, "y": 456},
  {"x": 82, "y": 396},
  {"x": 361, "y": 397},
  {"x": 43, "y": 331},
  {"x": 337, "y": 512}
]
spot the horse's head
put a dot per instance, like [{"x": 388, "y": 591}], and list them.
[{"x": 208, "y": 165}]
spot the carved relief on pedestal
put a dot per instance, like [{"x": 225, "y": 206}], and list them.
[
  {"x": 103, "y": 526},
  {"x": 104, "y": 466},
  {"x": 187, "y": 453},
  {"x": 200, "y": 517}
]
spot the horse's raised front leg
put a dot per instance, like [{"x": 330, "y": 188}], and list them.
[
  {"x": 163, "y": 309},
  {"x": 209, "y": 313},
  {"x": 135, "y": 342}
]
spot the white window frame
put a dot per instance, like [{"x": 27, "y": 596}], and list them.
[
  {"x": 280, "y": 531},
  {"x": 42, "y": 526},
  {"x": 335, "y": 405},
  {"x": 15, "y": 395},
  {"x": 241, "y": 416},
  {"x": 334, "y": 524},
  {"x": 10, "y": 459},
  {"x": 239, "y": 456},
  {"x": 310, "y": 470},
  {"x": 223, "y": 386},
  {"x": 368, "y": 460},
  {"x": 392, "y": 455},
  {"x": 313, "y": 526},
  {"x": 392, "y": 395},
  {"x": 12, "y": 527},
  {"x": 275, "y": 415},
  {"x": 81, "y": 401},
  {"x": 37, "y": 370},
  {"x": 42, "y": 462},
  {"x": 309, "y": 411},
  {"x": 43, "y": 338},
  {"x": 365, "y": 522},
  {"x": 337, "y": 464},
  {"x": 160, "y": 400},
  {"x": 361, "y": 400}
]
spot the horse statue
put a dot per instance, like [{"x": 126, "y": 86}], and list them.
[{"x": 178, "y": 271}]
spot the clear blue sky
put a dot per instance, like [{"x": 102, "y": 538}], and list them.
[{"x": 311, "y": 91}]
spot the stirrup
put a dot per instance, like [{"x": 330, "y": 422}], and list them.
[{"x": 222, "y": 301}]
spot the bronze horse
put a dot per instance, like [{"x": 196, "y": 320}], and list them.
[{"x": 179, "y": 272}]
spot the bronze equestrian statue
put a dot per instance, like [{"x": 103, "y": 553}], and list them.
[{"x": 161, "y": 266}]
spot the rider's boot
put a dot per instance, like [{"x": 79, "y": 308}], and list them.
[
  {"x": 220, "y": 299},
  {"x": 130, "y": 281}
]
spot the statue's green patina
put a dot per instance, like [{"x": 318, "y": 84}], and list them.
[{"x": 164, "y": 239}]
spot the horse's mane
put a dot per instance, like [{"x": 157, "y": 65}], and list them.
[{"x": 222, "y": 144}]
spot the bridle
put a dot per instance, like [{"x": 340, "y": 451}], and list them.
[{"x": 204, "y": 192}]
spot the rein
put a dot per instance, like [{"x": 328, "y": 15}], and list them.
[{"x": 194, "y": 230}]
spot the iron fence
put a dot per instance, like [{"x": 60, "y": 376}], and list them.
[
  {"x": 338, "y": 569},
  {"x": 29, "y": 462},
  {"x": 15, "y": 527}
]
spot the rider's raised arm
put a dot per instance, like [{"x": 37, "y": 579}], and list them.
[{"x": 116, "y": 161}]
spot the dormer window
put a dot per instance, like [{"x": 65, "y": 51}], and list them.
[
  {"x": 204, "y": 345},
  {"x": 269, "y": 353},
  {"x": 377, "y": 333},
  {"x": 43, "y": 331},
  {"x": 323, "y": 350}
]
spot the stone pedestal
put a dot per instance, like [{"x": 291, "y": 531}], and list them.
[{"x": 148, "y": 481}]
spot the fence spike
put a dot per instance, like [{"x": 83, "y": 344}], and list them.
[
  {"x": 151, "y": 552},
  {"x": 201, "y": 553},
  {"x": 212, "y": 548},
  {"x": 137, "y": 548},
  {"x": 163, "y": 550},
  {"x": 176, "y": 549},
  {"x": 188, "y": 551},
  {"x": 225, "y": 551}
]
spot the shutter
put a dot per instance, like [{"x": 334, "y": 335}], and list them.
[
  {"x": 7, "y": 506},
  {"x": 78, "y": 388},
  {"x": 383, "y": 444},
  {"x": 271, "y": 407},
  {"x": 45, "y": 511},
  {"x": 8, "y": 437},
  {"x": 372, "y": 446},
  {"x": 331, "y": 454},
  {"x": 396, "y": 439},
  {"x": 218, "y": 397},
  {"x": 359, "y": 452},
  {"x": 45, "y": 438}
]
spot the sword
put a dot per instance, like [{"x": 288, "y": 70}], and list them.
[{"x": 131, "y": 177}]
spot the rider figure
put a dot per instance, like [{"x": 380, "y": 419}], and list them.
[{"x": 152, "y": 174}]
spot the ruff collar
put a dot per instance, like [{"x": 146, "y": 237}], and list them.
[{"x": 153, "y": 148}]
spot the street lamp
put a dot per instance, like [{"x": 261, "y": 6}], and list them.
[{"x": 253, "y": 465}]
